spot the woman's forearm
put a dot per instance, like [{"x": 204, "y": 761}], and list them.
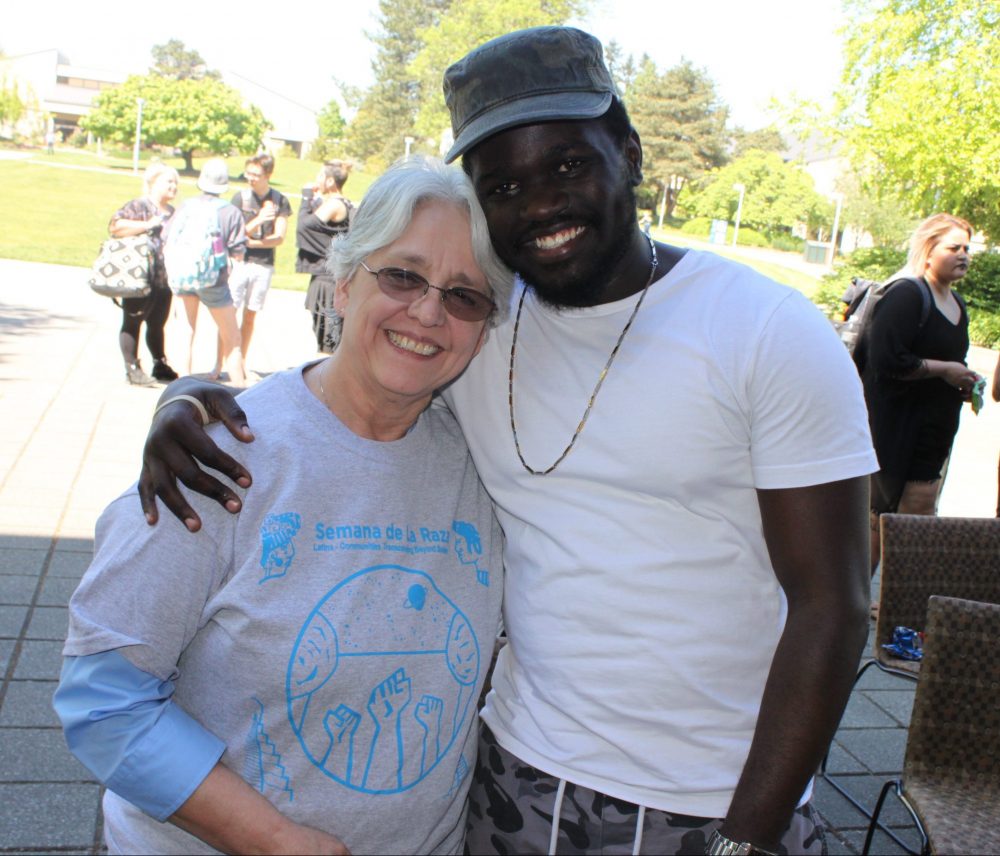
[{"x": 228, "y": 814}]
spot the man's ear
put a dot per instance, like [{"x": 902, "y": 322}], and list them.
[{"x": 633, "y": 157}]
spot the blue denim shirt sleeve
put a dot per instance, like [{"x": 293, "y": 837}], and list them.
[{"x": 123, "y": 726}]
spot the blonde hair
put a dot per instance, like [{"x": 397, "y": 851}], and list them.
[
  {"x": 153, "y": 172},
  {"x": 928, "y": 235}
]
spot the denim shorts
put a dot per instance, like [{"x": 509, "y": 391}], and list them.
[{"x": 215, "y": 296}]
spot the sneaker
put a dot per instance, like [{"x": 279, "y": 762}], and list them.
[
  {"x": 161, "y": 371},
  {"x": 136, "y": 376}
]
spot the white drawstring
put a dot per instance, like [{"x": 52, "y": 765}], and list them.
[
  {"x": 637, "y": 844},
  {"x": 556, "y": 812}
]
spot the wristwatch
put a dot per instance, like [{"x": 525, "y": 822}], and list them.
[{"x": 719, "y": 845}]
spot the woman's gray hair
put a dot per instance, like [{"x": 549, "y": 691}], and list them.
[{"x": 388, "y": 207}]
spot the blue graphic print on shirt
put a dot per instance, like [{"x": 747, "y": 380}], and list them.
[
  {"x": 263, "y": 767},
  {"x": 277, "y": 534},
  {"x": 381, "y": 679}
]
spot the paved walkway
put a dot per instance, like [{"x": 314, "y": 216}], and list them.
[{"x": 72, "y": 432}]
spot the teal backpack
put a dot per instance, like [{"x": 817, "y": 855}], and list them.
[{"x": 194, "y": 252}]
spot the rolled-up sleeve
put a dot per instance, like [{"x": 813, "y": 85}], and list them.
[{"x": 123, "y": 726}]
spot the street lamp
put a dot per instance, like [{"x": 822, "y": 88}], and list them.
[
  {"x": 741, "y": 188},
  {"x": 839, "y": 199},
  {"x": 138, "y": 134},
  {"x": 409, "y": 142}
]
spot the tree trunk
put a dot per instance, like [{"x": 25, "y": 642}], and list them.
[{"x": 188, "y": 157}]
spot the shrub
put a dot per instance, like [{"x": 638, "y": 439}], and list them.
[
  {"x": 698, "y": 226},
  {"x": 788, "y": 243},
  {"x": 981, "y": 285},
  {"x": 984, "y": 328},
  {"x": 748, "y": 238}
]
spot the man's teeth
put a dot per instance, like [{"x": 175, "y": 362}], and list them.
[
  {"x": 550, "y": 242},
  {"x": 408, "y": 344}
]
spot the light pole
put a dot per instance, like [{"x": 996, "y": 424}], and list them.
[
  {"x": 741, "y": 188},
  {"x": 839, "y": 199},
  {"x": 138, "y": 134},
  {"x": 409, "y": 142}
]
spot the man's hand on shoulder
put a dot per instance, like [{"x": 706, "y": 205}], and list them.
[{"x": 177, "y": 442}]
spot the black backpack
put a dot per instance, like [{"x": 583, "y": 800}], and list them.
[{"x": 862, "y": 297}]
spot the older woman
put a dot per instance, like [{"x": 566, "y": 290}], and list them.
[
  {"x": 303, "y": 677},
  {"x": 146, "y": 216},
  {"x": 913, "y": 367}
]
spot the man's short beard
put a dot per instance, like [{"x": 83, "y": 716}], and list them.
[{"x": 589, "y": 288}]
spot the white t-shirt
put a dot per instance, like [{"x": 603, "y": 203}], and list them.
[{"x": 640, "y": 602}]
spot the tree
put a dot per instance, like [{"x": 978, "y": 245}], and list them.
[
  {"x": 918, "y": 103},
  {"x": 331, "y": 126},
  {"x": 622, "y": 68},
  {"x": 465, "y": 25},
  {"x": 190, "y": 115},
  {"x": 173, "y": 60},
  {"x": 767, "y": 139},
  {"x": 777, "y": 194},
  {"x": 11, "y": 105},
  {"x": 386, "y": 113},
  {"x": 682, "y": 124}
]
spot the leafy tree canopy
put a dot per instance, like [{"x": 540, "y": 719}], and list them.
[
  {"x": 331, "y": 127},
  {"x": 919, "y": 103},
  {"x": 682, "y": 124},
  {"x": 764, "y": 139},
  {"x": 387, "y": 111},
  {"x": 172, "y": 59},
  {"x": 11, "y": 105},
  {"x": 778, "y": 194},
  {"x": 190, "y": 115},
  {"x": 465, "y": 25}
]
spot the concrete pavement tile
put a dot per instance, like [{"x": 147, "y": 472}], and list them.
[
  {"x": 71, "y": 563},
  {"x": 38, "y": 755},
  {"x": 20, "y": 517},
  {"x": 897, "y": 703},
  {"x": 49, "y": 622},
  {"x": 881, "y": 750},
  {"x": 29, "y": 703},
  {"x": 6, "y": 649},
  {"x": 841, "y": 761},
  {"x": 876, "y": 679},
  {"x": 865, "y": 789},
  {"x": 862, "y": 713},
  {"x": 37, "y": 497},
  {"x": 17, "y": 589},
  {"x": 39, "y": 661},
  {"x": 882, "y": 844},
  {"x": 836, "y": 810},
  {"x": 21, "y": 541},
  {"x": 56, "y": 591},
  {"x": 14, "y": 560},
  {"x": 76, "y": 543},
  {"x": 12, "y": 620},
  {"x": 40, "y": 817}
]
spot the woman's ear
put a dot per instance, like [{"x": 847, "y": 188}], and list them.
[{"x": 341, "y": 296}]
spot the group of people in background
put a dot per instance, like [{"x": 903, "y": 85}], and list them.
[{"x": 251, "y": 225}]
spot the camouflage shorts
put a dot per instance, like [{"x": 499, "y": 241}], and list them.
[{"x": 511, "y": 806}]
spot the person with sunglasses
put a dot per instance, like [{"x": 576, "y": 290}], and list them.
[
  {"x": 678, "y": 450},
  {"x": 303, "y": 678}
]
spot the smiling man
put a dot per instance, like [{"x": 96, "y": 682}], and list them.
[{"x": 678, "y": 450}]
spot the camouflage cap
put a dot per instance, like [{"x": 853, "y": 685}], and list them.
[{"x": 543, "y": 74}]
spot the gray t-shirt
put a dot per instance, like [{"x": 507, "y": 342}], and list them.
[{"x": 335, "y": 634}]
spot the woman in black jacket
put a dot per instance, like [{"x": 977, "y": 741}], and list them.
[{"x": 914, "y": 372}]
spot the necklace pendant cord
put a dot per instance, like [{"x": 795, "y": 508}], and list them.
[{"x": 600, "y": 380}]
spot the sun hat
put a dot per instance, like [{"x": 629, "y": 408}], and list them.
[
  {"x": 214, "y": 176},
  {"x": 542, "y": 74}
]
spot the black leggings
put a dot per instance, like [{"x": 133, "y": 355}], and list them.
[{"x": 154, "y": 310}]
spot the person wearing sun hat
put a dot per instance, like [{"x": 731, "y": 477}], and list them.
[
  {"x": 678, "y": 451},
  {"x": 202, "y": 217}
]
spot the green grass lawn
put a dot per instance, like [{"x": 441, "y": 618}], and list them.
[
  {"x": 62, "y": 211},
  {"x": 60, "y": 206}
]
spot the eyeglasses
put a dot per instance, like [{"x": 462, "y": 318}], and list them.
[{"x": 465, "y": 304}]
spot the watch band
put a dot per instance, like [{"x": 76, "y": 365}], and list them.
[{"x": 719, "y": 845}]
